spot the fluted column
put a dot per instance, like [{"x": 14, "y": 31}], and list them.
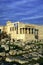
[
  {"x": 27, "y": 31},
  {"x": 24, "y": 30}
]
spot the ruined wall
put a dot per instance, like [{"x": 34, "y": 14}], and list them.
[{"x": 40, "y": 32}]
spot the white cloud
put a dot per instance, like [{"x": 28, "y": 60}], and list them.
[{"x": 35, "y": 17}]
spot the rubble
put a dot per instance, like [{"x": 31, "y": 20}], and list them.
[{"x": 21, "y": 52}]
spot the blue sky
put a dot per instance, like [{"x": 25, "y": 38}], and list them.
[{"x": 28, "y": 11}]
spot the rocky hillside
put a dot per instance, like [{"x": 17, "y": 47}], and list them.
[{"x": 24, "y": 53}]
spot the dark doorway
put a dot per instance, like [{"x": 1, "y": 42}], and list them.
[{"x": 0, "y": 30}]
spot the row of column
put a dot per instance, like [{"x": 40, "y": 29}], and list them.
[{"x": 28, "y": 31}]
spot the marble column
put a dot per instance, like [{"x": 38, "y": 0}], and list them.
[
  {"x": 23, "y": 30},
  {"x": 27, "y": 31}
]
